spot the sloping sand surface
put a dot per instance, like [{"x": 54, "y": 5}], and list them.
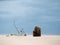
[{"x": 30, "y": 40}]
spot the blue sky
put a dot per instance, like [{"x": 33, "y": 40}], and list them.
[{"x": 29, "y": 13}]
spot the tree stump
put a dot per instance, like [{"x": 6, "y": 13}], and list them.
[{"x": 37, "y": 31}]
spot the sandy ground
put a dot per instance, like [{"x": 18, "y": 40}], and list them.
[{"x": 30, "y": 40}]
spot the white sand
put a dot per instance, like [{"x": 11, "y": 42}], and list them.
[{"x": 30, "y": 40}]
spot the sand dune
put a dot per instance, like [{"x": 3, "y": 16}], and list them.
[{"x": 30, "y": 40}]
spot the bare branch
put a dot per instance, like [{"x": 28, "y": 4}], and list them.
[{"x": 16, "y": 27}]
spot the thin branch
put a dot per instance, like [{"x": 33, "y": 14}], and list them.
[{"x": 16, "y": 27}]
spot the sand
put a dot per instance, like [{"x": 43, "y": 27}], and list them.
[{"x": 30, "y": 40}]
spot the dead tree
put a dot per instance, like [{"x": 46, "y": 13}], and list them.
[{"x": 20, "y": 31}]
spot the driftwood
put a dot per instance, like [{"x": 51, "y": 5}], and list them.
[{"x": 37, "y": 31}]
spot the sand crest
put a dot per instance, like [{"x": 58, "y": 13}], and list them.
[{"x": 30, "y": 40}]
